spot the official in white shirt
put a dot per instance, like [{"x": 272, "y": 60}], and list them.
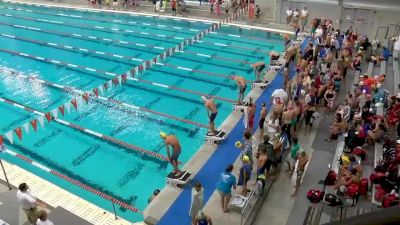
[
  {"x": 42, "y": 220},
  {"x": 28, "y": 203},
  {"x": 304, "y": 18},
  {"x": 289, "y": 13}
]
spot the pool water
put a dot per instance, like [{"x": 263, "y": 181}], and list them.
[{"x": 112, "y": 169}]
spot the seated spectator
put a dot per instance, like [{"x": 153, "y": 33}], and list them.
[
  {"x": 345, "y": 170},
  {"x": 376, "y": 134},
  {"x": 346, "y": 180}
]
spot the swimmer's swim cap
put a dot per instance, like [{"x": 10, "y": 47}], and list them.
[
  {"x": 203, "y": 98},
  {"x": 246, "y": 158},
  {"x": 163, "y": 135},
  {"x": 238, "y": 144}
]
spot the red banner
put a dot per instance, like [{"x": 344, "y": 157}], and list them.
[
  {"x": 48, "y": 116},
  {"x": 18, "y": 131},
  {"x": 34, "y": 124},
  {"x": 85, "y": 97},
  {"x": 133, "y": 72},
  {"x": 61, "y": 108},
  {"x": 105, "y": 86},
  {"x": 115, "y": 81},
  {"x": 124, "y": 77},
  {"x": 96, "y": 92},
  {"x": 74, "y": 103}
]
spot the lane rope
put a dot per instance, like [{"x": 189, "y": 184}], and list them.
[
  {"x": 129, "y": 31},
  {"x": 90, "y": 132},
  {"x": 80, "y": 92},
  {"x": 88, "y": 69},
  {"x": 117, "y": 56},
  {"x": 73, "y": 181}
]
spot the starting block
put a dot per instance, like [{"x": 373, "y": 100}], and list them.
[
  {"x": 275, "y": 67},
  {"x": 240, "y": 108},
  {"x": 179, "y": 182},
  {"x": 260, "y": 85},
  {"x": 215, "y": 139}
]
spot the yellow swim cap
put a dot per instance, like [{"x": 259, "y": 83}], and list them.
[
  {"x": 246, "y": 158},
  {"x": 238, "y": 144},
  {"x": 163, "y": 135}
]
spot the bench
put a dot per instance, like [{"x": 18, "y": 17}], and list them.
[
  {"x": 370, "y": 68},
  {"x": 396, "y": 76},
  {"x": 383, "y": 67}
]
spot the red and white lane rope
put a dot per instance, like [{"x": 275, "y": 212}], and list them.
[
  {"x": 85, "y": 37},
  {"x": 80, "y": 92},
  {"x": 154, "y": 34},
  {"x": 88, "y": 69},
  {"x": 73, "y": 181},
  {"x": 73, "y": 48},
  {"x": 91, "y": 132},
  {"x": 147, "y": 35},
  {"x": 126, "y": 23},
  {"x": 117, "y": 56}
]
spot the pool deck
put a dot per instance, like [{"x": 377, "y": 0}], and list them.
[{"x": 96, "y": 215}]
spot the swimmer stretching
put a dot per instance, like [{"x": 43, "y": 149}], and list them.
[
  {"x": 212, "y": 112},
  {"x": 242, "y": 84},
  {"x": 171, "y": 140}
]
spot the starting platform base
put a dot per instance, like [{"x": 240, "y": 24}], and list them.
[
  {"x": 259, "y": 86},
  {"x": 240, "y": 108},
  {"x": 179, "y": 181},
  {"x": 215, "y": 139}
]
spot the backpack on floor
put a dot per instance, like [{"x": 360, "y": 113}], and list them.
[
  {"x": 379, "y": 194},
  {"x": 352, "y": 190},
  {"x": 315, "y": 196},
  {"x": 390, "y": 200},
  {"x": 376, "y": 177},
  {"x": 363, "y": 186},
  {"x": 330, "y": 179}
]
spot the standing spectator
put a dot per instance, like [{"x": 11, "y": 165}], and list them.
[
  {"x": 28, "y": 203},
  {"x": 226, "y": 6},
  {"x": 202, "y": 219},
  {"x": 289, "y": 13},
  {"x": 263, "y": 115},
  {"x": 295, "y": 17},
  {"x": 224, "y": 186},
  {"x": 247, "y": 149},
  {"x": 219, "y": 2},
  {"x": 245, "y": 174},
  {"x": 42, "y": 220},
  {"x": 302, "y": 161},
  {"x": 197, "y": 202},
  {"x": 293, "y": 154},
  {"x": 258, "y": 11},
  {"x": 396, "y": 48},
  {"x": 304, "y": 18},
  {"x": 173, "y": 7}
]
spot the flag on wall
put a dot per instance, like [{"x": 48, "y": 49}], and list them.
[
  {"x": 34, "y": 124},
  {"x": 18, "y": 132}
]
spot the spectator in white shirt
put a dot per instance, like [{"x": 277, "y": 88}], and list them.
[
  {"x": 42, "y": 220},
  {"x": 289, "y": 13},
  {"x": 304, "y": 18},
  {"x": 396, "y": 48},
  {"x": 295, "y": 16},
  {"x": 28, "y": 203}
]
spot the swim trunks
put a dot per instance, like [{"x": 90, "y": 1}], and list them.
[
  {"x": 242, "y": 89},
  {"x": 212, "y": 116},
  {"x": 174, "y": 157}
]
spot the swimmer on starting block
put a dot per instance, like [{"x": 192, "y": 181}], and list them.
[
  {"x": 212, "y": 112},
  {"x": 242, "y": 84},
  {"x": 258, "y": 69},
  {"x": 171, "y": 140}
]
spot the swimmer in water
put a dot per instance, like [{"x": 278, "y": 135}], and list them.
[
  {"x": 171, "y": 140},
  {"x": 242, "y": 84},
  {"x": 212, "y": 112}
]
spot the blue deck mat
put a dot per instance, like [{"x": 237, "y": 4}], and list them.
[{"x": 226, "y": 153}]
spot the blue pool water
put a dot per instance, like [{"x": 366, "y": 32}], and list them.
[{"x": 109, "y": 168}]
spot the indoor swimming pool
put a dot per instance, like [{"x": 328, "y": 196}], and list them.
[{"x": 50, "y": 56}]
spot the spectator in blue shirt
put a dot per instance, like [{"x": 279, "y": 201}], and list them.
[{"x": 224, "y": 186}]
